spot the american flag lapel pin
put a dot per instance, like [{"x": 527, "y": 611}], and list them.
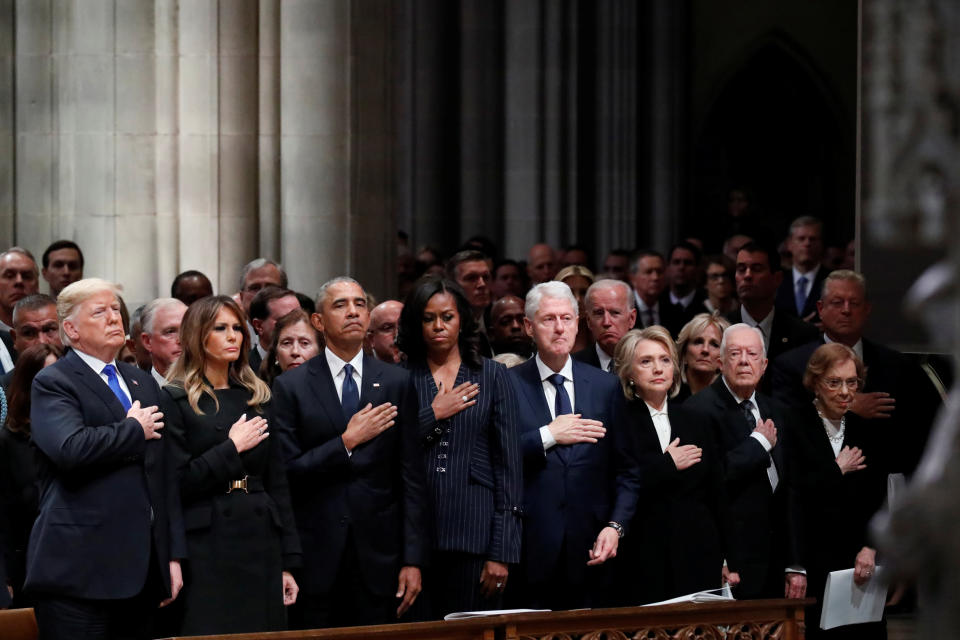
[
  {"x": 376, "y": 385},
  {"x": 136, "y": 384}
]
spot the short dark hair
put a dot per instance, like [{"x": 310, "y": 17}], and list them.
[
  {"x": 773, "y": 258},
  {"x": 506, "y": 262},
  {"x": 191, "y": 273},
  {"x": 640, "y": 254},
  {"x": 56, "y": 246},
  {"x": 410, "y": 333},
  {"x": 467, "y": 255},
  {"x": 259, "y": 306},
  {"x": 306, "y": 302},
  {"x": 620, "y": 253},
  {"x": 32, "y": 303},
  {"x": 687, "y": 246}
]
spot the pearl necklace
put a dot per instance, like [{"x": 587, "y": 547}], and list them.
[{"x": 835, "y": 439}]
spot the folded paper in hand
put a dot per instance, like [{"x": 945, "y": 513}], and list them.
[{"x": 844, "y": 602}]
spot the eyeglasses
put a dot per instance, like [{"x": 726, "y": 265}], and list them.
[{"x": 834, "y": 384}]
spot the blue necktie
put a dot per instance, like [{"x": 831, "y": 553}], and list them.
[
  {"x": 111, "y": 372},
  {"x": 562, "y": 404},
  {"x": 801, "y": 294},
  {"x": 349, "y": 396}
]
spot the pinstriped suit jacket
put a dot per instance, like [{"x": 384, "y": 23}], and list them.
[{"x": 475, "y": 480}]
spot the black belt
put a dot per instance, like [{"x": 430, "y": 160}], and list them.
[{"x": 247, "y": 484}]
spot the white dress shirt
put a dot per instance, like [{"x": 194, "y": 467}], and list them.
[
  {"x": 604, "y": 358},
  {"x": 808, "y": 285},
  {"x": 661, "y": 422},
  {"x": 338, "y": 374},
  {"x": 550, "y": 394},
  {"x": 765, "y": 325},
  {"x": 5, "y": 358},
  {"x": 857, "y": 348},
  {"x": 685, "y": 301},
  {"x": 643, "y": 310},
  {"x": 97, "y": 365},
  {"x": 159, "y": 378},
  {"x": 833, "y": 429}
]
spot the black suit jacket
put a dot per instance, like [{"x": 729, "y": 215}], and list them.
[
  {"x": 671, "y": 316},
  {"x": 477, "y": 497},
  {"x": 762, "y": 537},
  {"x": 570, "y": 496},
  {"x": 588, "y": 356},
  {"x": 787, "y": 302},
  {"x": 255, "y": 360},
  {"x": 8, "y": 341},
  {"x": 905, "y": 433},
  {"x": 376, "y": 495},
  {"x": 677, "y": 542},
  {"x": 107, "y": 495}
]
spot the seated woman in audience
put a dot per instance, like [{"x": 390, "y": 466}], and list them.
[
  {"x": 241, "y": 539},
  {"x": 721, "y": 291},
  {"x": 839, "y": 477},
  {"x": 295, "y": 341},
  {"x": 18, "y": 474},
  {"x": 468, "y": 421},
  {"x": 579, "y": 279},
  {"x": 699, "y": 347},
  {"x": 675, "y": 543}
]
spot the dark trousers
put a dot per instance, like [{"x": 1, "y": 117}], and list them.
[
  {"x": 563, "y": 589},
  {"x": 453, "y": 584},
  {"x": 349, "y": 602}
]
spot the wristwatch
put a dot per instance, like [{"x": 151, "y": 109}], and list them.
[{"x": 616, "y": 527}]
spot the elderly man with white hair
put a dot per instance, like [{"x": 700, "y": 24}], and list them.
[
  {"x": 160, "y": 323},
  {"x": 762, "y": 556},
  {"x": 105, "y": 548},
  {"x": 580, "y": 470}
]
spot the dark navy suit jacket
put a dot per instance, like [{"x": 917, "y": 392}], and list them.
[
  {"x": 107, "y": 495},
  {"x": 570, "y": 497},
  {"x": 786, "y": 294},
  {"x": 376, "y": 495},
  {"x": 476, "y": 480}
]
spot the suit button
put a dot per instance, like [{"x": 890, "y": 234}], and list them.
[{"x": 438, "y": 431}]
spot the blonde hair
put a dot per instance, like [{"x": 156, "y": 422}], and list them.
[
  {"x": 75, "y": 294},
  {"x": 575, "y": 270},
  {"x": 626, "y": 350},
  {"x": 692, "y": 330},
  {"x": 187, "y": 372}
]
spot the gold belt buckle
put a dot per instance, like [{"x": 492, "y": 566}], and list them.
[{"x": 238, "y": 484}]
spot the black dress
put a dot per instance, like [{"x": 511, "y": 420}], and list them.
[
  {"x": 239, "y": 543},
  {"x": 19, "y": 499},
  {"x": 834, "y": 509},
  {"x": 674, "y": 546}
]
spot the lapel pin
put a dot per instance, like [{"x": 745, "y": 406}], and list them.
[
  {"x": 376, "y": 385},
  {"x": 136, "y": 384}
]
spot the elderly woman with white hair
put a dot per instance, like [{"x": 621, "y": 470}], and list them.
[{"x": 677, "y": 545}]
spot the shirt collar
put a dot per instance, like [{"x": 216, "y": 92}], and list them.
[
  {"x": 752, "y": 398},
  {"x": 857, "y": 348},
  {"x": 809, "y": 275},
  {"x": 602, "y": 355},
  {"x": 545, "y": 372},
  {"x": 654, "y": 412},
  {"x": 336, "y": 364},
  {"x": 685, "y": 301},
  {"x": 641, "y": 305},
  {"x": 95, "y": 363}
]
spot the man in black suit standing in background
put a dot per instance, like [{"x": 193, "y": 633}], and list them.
[
  {"x": 106, "y": 545},
  {"x": 748, "y": 427},
  {"x": 610, "y": 314},
  {"x": 347, "y": 428},
  {"x": 800, "y": 290}
]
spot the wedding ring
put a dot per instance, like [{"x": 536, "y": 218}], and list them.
[
  {"x": 499, "y": 585},
  {"x": 466, "y": 399}
]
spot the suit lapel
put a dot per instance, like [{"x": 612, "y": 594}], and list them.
[
  {"x": 370, "y": 389},
  {"x": 96, "y": 384},
  {"x": 531, "y": 387},
  {"x": 326, "y": 391},
  {"x": 766, "y": 412}
]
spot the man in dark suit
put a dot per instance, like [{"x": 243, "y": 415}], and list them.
[
  {"x": 745, "y": 426},
  {"x": 757, "y": 281},
  {"x": 580, "y": 475},
  {"x": 683, "y": 274},
  {"x": 268, "y": 305},
  {"x": 799, "y": 293},
  {"x": 897, "y": 396},
  {"x": 105, "y": 547},
  {"x": 347, "y": 427},
  {"x": 610, "y": 314},
  {"x": 647, "y": 269}
]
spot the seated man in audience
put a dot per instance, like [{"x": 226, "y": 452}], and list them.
[
  {"x": 347, "y": 427},
  {"x": 757, "y": 278},
  {"x": 580, "y": 472},
  {"x": 749, "y": 429},
  {"x": 381, "y": 340},
  {"x": 471, "y": 270},
  {"x": 34, "y": 322},
  {"x": 268, "y": 305},
  {"x": 610, "y": 314},
  {"x": 18, "y": 279},
  {"x": 508, "y": 280},
  {"x": 683, "y": 275},
  {"x": 647, "y": 269},
  {"x": 190, "y": 286},
  {"x": 507, "y": 334},
  {"x": 62, "y": 265},
  {"x": 617, "y": 264},
  {"x": 574, "y": 254},
  {"x": 254, "y": 276},
  {"x": 541, "y": 263},
  {"x": 160, "y": 334},
  {"x": 896, "y": 394},
  {"x": 799, "y": 293}
]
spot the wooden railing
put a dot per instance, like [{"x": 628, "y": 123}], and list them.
[{"x": 739, "y": 620}]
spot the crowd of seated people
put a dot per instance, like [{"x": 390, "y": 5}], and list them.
[{"x": 543, "y": 433}]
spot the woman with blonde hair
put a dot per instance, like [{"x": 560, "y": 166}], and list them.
[
  {"x": 699, "y": 347},
  {"x": 678, "y": 531},
  {"x": 579, "y": 279},
  {"x": 241, "y": 538}
]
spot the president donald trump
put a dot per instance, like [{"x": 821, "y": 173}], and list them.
[{"x": 104, "y": 550}]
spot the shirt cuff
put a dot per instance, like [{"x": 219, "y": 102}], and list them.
[
  {"x": 547, "y": 438},
  {"x": 349, "y": 453},
  {"x": 762, "y": 439},
  {"x": 799, "y": 570}
]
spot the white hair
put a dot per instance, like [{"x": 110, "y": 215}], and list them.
[
  {"x": 322, "y": 292},
  {"x": 75, "y": 294},
  {"x": 552, "y": 289},
  {"x": 152, "y": 308},
  {"x": 609, "y": 283},
  {"x": 740, "y": 326}
]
